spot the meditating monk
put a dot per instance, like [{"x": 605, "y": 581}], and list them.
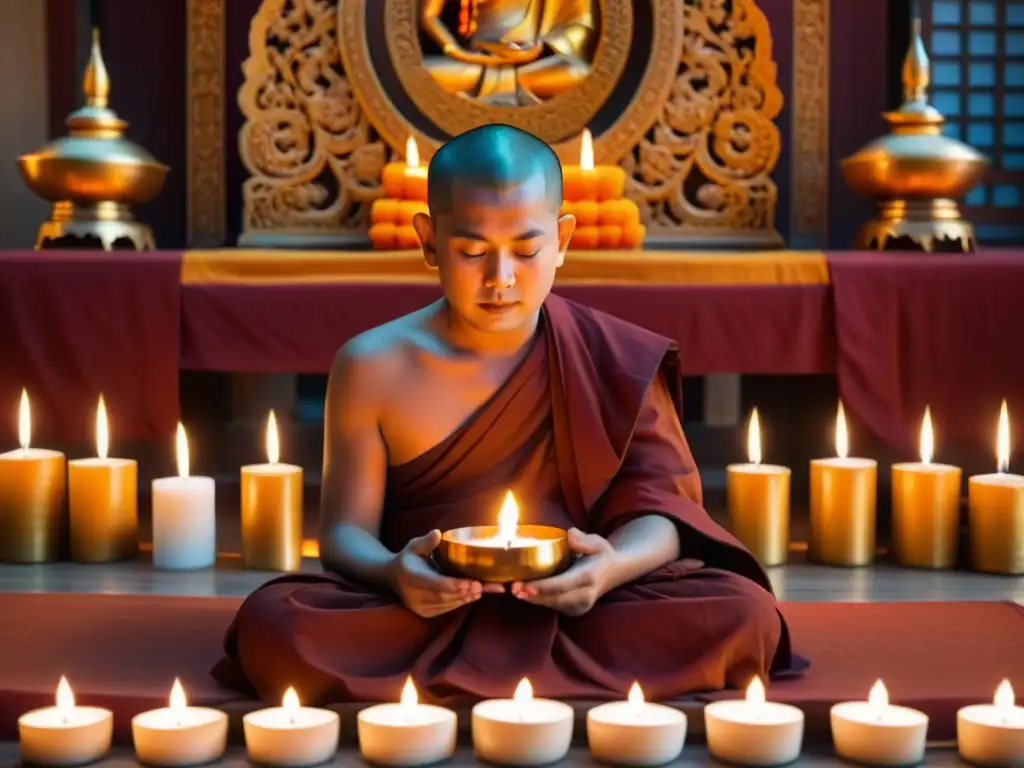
[{"x": 501, "y": 385}]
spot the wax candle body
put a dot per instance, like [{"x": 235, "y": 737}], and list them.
[
  {"x": 996, "y": 523},
  {"x": 180, "y": 737},
  {"x": 622, "y": 733},
  {"x": 991, "y": 736},
  {"x": 762, "y": 734},
  {"x": 872, "y": 735},
  {"x": 298, "y": 737},
  {"x": 65, "y": 737},
  {"x": 32, "y": 522},
  {"x": 537, "y": 732},
  {"x": 758, "y": 500},
  {"x": 925, "y": 514},
  {"x": 398, "y": 734},
  {"x": 272, "y": 517},
  {"x": 184, "y": 523},
  {"x": 579, "y": 184},
  {"x": 842, "y": 515},
  {"x": 103, "y": 509}
]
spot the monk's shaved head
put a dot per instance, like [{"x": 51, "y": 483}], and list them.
[{"x": 492, "y": 157}]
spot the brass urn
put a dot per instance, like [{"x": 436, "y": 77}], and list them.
[
  {"x": 94, "y": 175},
  {"x": 915, "y": 174}
]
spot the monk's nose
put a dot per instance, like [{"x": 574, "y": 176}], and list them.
[{"x": 501, "y": 273}]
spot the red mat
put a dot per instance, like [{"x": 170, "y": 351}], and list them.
[{"x": 123, "y": 652}]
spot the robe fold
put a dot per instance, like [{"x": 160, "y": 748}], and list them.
[{"x": 587, "y": 433}]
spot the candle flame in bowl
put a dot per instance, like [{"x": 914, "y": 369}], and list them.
[
  {"x": 412, "y": 153},
  {"x": 409, "y": 697},
  {"x": 273, "y": 443},
  {"x": 842, "y": 435},
  {"x": 524, "y": 692},
  {"x": 508, "y": 518},
  {"x": 878, "y": 698},
  {"x": 755, "y": 692},
  {"x": 1004, "y": 699},
  {"x": 24, "y": 421},
  {"x": 1003, "y": 439},
  {"x": 587, "y": 151},
  {"x": 102, "y": 429},
  {"x": 290, "y": 701},
  {"x": 181, "y": 445},
  {"x": 178, "y": 702},
  {"x": 927, "y": 437},
  {"x": 65, "y": 697},
  {"x": 754, "y": 439}
]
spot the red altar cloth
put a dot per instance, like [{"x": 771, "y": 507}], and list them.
[
  {"x": 75, "y": 324},
  {"x": 939, "y": 330}
]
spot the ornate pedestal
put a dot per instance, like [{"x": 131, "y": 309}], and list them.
[{"x": 681, "y": 93}]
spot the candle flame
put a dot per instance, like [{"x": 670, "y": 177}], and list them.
[
  {"x": 754, "y": 439},
  {"x": 182, "y": 451},
  {"x": 24, "y": 421},
  {"x": 1004, "y": 698},
  {"x": 635, "y": 697},
  {"x": 65, "y": 697},
  {"x": 178, "y": 701},
  {"x": 878, "y": 698},
  {"x": 755, "y": 692},
  {"x": 842, "y": 436},
  {"x": 409, "y": 696},
  {"x": 412, "y": 153},
  {"x": 273, "y": 443},
  {"x": 587, "y": 151},
  {"x": 102, "y": 429},
  {"x": 927, "y": 437},
  {"x": 524, "y": 692},
  {"x": 290, "y": 700},
  {"x": 1003, "y": 439},
  {"x": 508, "y": 518}
]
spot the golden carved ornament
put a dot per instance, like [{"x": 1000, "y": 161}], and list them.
[
  {"x": 810, "y": 181},
  {"x": 206, "y": 197},
  {"x": 697, "y": 140}
]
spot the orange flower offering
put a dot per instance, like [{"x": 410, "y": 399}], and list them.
[{"x": 405, "y": 195}]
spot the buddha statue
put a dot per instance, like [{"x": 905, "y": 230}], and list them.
[{"x": 511, "y": 52}]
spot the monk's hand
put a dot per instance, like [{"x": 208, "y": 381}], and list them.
[
  {"x": 424, "y": 590},
  {"x": 574, "y": 591}
]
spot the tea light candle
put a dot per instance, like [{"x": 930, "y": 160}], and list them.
[
  {"x": 996, "y": 512},
  {"x": 522, "y": 730},
  {"x": 843, "y": 502},
  {"x": 291, "y": 735},
  {"x": 180, "y": 735},
  {"x": 184, "y": 517},
  {"x": 103, "y": 502},
  {"x": 407, "y": 733},
  {"x": 992, "y": 734},
  {"x": 925, "y": 508},
  {"x": 32, "y": 487},
  {"x": 753, "y": 731},
  {"x": 758, "y": 500},
  {"x": 66, "y": 734},
  {"x": 508, "y": 529},
  {"x": 634, "y": 732},
  {"x": 272, "y": 510},
  {"x": 874, "y": 732}
]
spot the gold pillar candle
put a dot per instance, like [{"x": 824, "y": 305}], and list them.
[
  {"x": 758, "y": 499},
  {"x": 996, "y": 512},
  {"x": 103, "y": 508},
  {"x": 32, "y": 488},
  {"x": 925, "y": 508},
  {"x": 272, "y": 511},
  {"x": 843, "y": 505}
]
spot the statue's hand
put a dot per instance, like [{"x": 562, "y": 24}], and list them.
[
  {"x": 513, "y": 53},
  {"x": 472, "y": 57}
]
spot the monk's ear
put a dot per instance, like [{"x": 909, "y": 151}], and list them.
[
  {"x": 424, "y": 227},
  {"x": 566, "y": 226}
]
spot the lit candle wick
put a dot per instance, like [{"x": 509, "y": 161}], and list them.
[
  {"x": 64, "y": 719},
  {"x": 291, "y": 720}
]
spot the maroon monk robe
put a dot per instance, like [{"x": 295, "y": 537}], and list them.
[{"x": 585, "y": 432}]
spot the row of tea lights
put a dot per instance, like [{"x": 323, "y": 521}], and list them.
[
  {"x": 925, "y": 507},
  {"x": 102, "y": 506},
  {"x": 522, "y": 731}
]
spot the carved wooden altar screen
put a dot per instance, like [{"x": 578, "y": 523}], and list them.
[{"x": 681, "y": 93}]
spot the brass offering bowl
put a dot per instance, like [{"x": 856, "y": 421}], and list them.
[{"x": 476, "y": 553}]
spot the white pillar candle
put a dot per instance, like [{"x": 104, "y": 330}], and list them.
[
  {"x": 407, "y": 733},
  {"x": 291, "y": 735},
  {"x": 635, "y": 732},
  {"x": 875, "y": 732},
  {"x": 992, "y": 734},
  {"x": 184, "y": 517},
  {"x": 754, "y": 731},
  {"x": 522, "y": 730},
  {"x": 180, "y": 735},
  {"x": 66, "y": 734}
]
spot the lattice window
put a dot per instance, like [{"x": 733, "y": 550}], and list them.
[{"x": 977, "y": 53}]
